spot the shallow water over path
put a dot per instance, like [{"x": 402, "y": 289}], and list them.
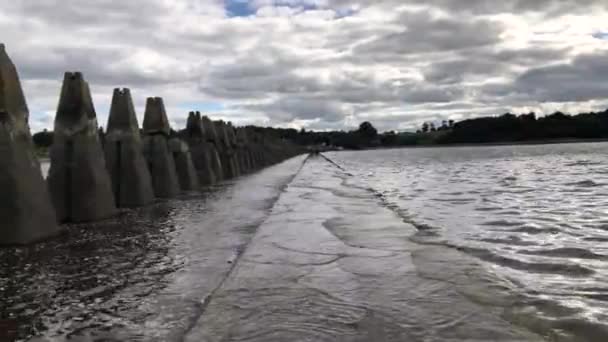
[
  {"x": 302, "y": 251},
  {"x": 331, "y": 264},
  {"x": 534, "y": 215},
  {"x": 145, "y": 275}
]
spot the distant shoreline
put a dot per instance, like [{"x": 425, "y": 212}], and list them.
[
  {"x": 518, "y": 143},
  {"x": 487, "y": 144}
]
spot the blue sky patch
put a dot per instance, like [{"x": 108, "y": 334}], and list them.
[
  {"x": 345, "y": 13},
  {"x": 242, "y": 8},
  {"x": 238, "y": 8},
  {"x": 601, "y": 35}
]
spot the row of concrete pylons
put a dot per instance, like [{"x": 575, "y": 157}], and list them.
[{"x": 89, "y": 178}]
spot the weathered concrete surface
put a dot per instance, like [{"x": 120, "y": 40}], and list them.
[
  {"x": 200, "y": 149},
  {"x": 78, "y": 180},
  {"x": 26, "y": 212},
  {"x": 186, "y": 173},
  {"x": 155, "y": 117},
  {"x": 332, "y": 264},
  {"x": 243, "y": 152},
  {"x": 209, "y": 129},
  {"x": 156, "y": 150},
  {"x": 194, "y": 126},
  {"x": 232, "y": 145},
  {"x": 211, "y": 147},
  {"x": 226, "y": 151},
  {"x": 131, "y": 180}
]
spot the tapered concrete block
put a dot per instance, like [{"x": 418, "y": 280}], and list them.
[
  {"x": 231, "y": 135},
  {"x": 200, "y": 149},
  {"x": 186, "y": 173},
  {"x": 157, "y": 152},
  {"x": 242, "y": 150},
  {"x": 209, "y": 130},
  {"x": 26, "y": 211},
  {"x": 222, "y": 133},
  {"x": 213, "y": 147},
  {"x": 204, "y": 160},
  {"x": 78, "y": 180},
  {"x": 229, "y": 163},
  {"x": 194, "y": 126},
  {"x": 131, "y": 180},
  {"x": 155, "y": 118}
]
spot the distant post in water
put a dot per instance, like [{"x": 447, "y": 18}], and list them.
[
  {"x": 157, "y": 151},
  {"x": 131, "y": 181},
  {"x": 26, "y": 212},
  {"x": 78, "y": 180}
]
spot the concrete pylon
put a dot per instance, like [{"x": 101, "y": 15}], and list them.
[
  {"x": 131, "y": 180},
  {"x": 200, "y": 149},
  {"x": 26, "y": 211},
  {"x": 243, "y": 152},
  {"x": 78, "y": 180},
  {"x": 156, "y": 149},
  {"x": 229, "y": 164},
  {"x": 186, "y": 173},
  {"x": 212, "y": 146},
  {"x": 233, "y": 143},
  {"x": 231, "y": 135},
  {"x": 194, "y": 126},
  {"x": 209, "y": 129}
]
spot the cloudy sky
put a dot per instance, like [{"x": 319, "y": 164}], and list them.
[{"x": 318, "y": 64}]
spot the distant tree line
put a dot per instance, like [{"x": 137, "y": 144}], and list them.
[
  {"x": 498, "y": 129},
  {"x": 504, "y": 128},
  {"x": 43, "y": 139},
  {"x": 512, "y": 128}
]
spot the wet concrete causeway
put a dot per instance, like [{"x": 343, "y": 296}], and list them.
[
  {"x": 332, "y": 264},
  {"x": 146, "y": 275},
  {"x": 296, "y": 252}
]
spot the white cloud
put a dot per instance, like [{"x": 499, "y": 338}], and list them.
[{"x": 324, "y": 64}]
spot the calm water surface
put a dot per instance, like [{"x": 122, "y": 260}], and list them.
[{"x": 536, "y": 216}]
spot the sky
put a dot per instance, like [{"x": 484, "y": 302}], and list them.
[{"x": 315, "y": 64}]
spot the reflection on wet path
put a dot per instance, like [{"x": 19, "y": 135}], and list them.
[
  {"x": 331, "y": 264},
  {"x": 145, "y": 275}
]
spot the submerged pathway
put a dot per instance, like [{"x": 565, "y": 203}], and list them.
[
  {"x": 295, "y": 252},
  {"x": 331, "y": 263},
  {"x": 145, "y": 275}
]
